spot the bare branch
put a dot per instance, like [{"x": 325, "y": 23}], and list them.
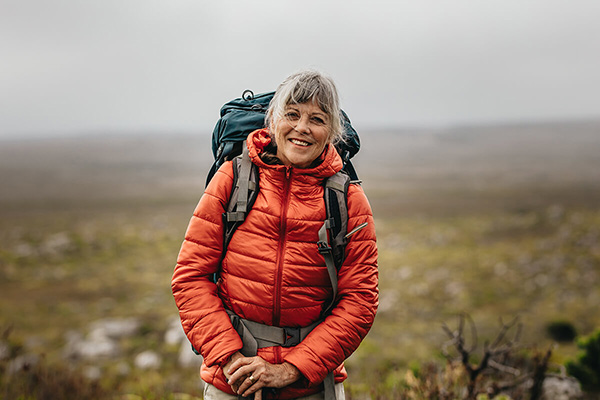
[
  {"x": 504, "y": 328},
  {"x": 504, "y": 368},
  {"x": 473, "y": 333},
  {"x": 500, "y": 387}
]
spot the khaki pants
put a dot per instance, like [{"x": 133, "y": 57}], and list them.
[{"x": 212, "y": 393}]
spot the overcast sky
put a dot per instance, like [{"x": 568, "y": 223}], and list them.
[{"x": 83, "y": 66}]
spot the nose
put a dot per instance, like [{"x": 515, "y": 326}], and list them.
[{"x": 303, "y": 125}]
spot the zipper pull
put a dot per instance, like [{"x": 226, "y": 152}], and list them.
[{"x": 288, "y": 172}]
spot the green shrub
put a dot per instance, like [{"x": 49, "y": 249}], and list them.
[{"x": 586, "y": 367}]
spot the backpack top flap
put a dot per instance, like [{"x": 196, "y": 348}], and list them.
[
  {"x": 239, "y": 117},
  {"x": 243, "y": 115}
]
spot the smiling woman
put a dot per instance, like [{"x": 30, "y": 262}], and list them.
[{"x": 266, "y": 327}]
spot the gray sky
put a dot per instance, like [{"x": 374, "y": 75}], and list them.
[{"x": 145, "y": 65}]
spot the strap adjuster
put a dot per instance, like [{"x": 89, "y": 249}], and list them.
[
  {"x": 324, "y": 247},
  {"x": 291, "y": 337}
]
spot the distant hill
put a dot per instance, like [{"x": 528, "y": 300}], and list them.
[{"x": 404, "y": 170}]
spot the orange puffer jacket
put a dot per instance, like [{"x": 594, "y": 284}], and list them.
[{"x": 272, "y": 272}]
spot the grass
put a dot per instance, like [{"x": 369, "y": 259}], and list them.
[
  {"x": 64, "y": 269},
  {"x": 541, "y": 266},
  {"x": 69, "y": 257}
]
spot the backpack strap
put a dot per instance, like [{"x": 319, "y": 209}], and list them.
[
  {"x": 243, "y": 194},
  {"x": 327, "y": 253},
  {"x": 332, "y": 234}
]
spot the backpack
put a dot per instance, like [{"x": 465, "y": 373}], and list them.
[
  {"x": 243, "y": 115},
  {"x": 240, "y": 117}
]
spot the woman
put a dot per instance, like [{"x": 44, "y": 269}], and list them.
[{"x": 272, "y": 273}]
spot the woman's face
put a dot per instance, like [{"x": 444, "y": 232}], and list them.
[{"x": 301, "y": 134}]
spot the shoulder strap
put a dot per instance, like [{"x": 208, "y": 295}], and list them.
[
  {"x": 243, "y": 194},
  {"x": 332, "y": 235},
  {"x": 336, "y": 205}
]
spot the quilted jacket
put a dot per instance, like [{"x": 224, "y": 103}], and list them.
[{"x": 272, "y": 272}]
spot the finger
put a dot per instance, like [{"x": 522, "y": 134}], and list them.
[
  {"x": 258, "y": 395},
  {"x": 239, "y": 363},
  {"x": 240, "y": 368},
  {"x": 235, "y": 386},
  {"x": 241, "y": 374},
  {"x": 250, "y": 385}
]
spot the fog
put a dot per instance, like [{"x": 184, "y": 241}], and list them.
[{"x": 71, "y": 67}]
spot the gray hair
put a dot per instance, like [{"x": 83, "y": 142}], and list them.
[{"x": 305, "y": 86}]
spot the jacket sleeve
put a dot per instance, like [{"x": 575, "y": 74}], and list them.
[
  {"x": 202, "y": 313},
  {"x": 339, "y": 335}
]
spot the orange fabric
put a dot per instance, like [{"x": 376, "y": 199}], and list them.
[{"x": 273, "y": 273}]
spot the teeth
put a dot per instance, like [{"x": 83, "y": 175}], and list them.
[{"x": 299, "y": 142}]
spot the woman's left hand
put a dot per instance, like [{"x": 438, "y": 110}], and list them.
[{"x": 250, "y": 374}]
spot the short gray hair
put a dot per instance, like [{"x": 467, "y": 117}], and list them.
[{"x": 302, "y": 87}]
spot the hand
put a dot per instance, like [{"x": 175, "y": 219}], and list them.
[
  {"x": 237, "y": 355},
  {"x": 250, "y": 374}
]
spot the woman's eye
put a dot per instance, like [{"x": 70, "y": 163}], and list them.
[
  {"x": 292, "y": 115},
  {"x": 318, "y": 120}
]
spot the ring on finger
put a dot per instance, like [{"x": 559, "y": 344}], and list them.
[{"x": 252, "y": 379}]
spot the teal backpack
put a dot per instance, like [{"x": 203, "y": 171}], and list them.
[{"x": 243, "y": 115}]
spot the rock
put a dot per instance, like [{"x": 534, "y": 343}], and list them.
[
  {"x": 23, "y": 363},
  {"x": 24, "y": 250},
  {"x": 147, "y": 360},
  {"x": 187, "y": 358},
  {"x": 174, "y": 334},
  {"x": 4, "y": 351},
  {"x": 56, "y": 244},
  {"x": 123, "y": 369},
  {"x": 561, "y": 388},
  {"x": 115, "y": 328},
  {"x": 92, "y": 372},
  {"x": 102, "y": 339},
  {"x": 72, "y": 339},
  {"x": 34, "y": 344},
  {"x": 95, "y": 346}
]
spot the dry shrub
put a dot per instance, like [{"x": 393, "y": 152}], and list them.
[{"x": 38, "y": 380}]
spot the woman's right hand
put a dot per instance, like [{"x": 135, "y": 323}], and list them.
[
  {"x": 250, "y": 374},
  {"x": 237, "y": 355}
]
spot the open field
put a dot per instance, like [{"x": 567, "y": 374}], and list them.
[{"x": 492, "y": 221}]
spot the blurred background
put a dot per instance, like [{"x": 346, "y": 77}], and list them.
[{"x": 480, "y": 129}]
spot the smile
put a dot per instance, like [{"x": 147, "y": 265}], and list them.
[{"x": 300, "y": 142}]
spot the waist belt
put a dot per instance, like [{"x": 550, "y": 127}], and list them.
[{"x": 256, "y": 336}]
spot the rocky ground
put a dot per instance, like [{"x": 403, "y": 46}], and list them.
[{"x": 493, "y": 221}]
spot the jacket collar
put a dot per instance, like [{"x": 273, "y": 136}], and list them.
[{"x": 259, "y": 139}]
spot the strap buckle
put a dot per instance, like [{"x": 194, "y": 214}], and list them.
[
  {"x": 291, "y": 337},
  {"x": 324, "y": 247}
]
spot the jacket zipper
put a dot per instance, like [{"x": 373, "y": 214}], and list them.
[{"x": 281, "y": 247}]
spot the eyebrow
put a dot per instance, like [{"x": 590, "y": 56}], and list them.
[{"x": 296, "y": 108}]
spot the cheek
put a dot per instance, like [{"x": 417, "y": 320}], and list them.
[{"x": 325, "y": 137}]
